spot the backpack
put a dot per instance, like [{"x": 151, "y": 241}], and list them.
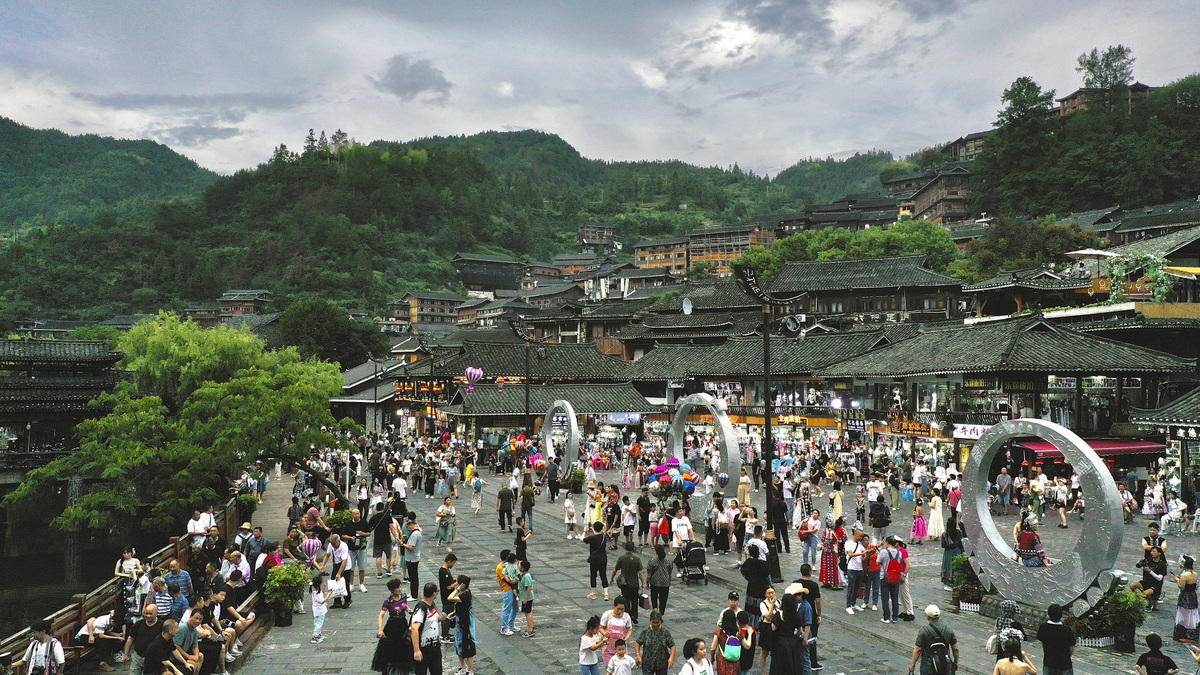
[
  {"x": 732, "y": 651},
  {"x": 938, "y": 653},
  {"x": 894, "y": 569}
]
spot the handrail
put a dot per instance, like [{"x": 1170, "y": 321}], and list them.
[{"x": 66, "y": 622}]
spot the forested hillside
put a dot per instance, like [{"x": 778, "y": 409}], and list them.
[
  {"x": 49, "y": 177},
  {"x": 362, "y": 224}
]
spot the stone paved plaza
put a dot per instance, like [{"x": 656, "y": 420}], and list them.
[{"x": 848, "y": 644}]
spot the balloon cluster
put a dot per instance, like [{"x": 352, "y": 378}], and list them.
[
  {"x": 516, "y": 447},
  {"x": 674, "y": 478}
]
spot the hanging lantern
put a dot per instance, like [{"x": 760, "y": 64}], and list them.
[
  {"x": 499, "y": 385},
  {"x": 473, "y": 375},
  {"x": 1040, "y": 462},
  {"x": 1058, "y": 461}
]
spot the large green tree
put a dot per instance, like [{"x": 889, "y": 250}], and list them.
[
  {"x": 202, "y": 405},
  {"x": 1106, "y": 69},
  {"x": 317, "y": 328}
]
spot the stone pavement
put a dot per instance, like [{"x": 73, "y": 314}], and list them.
[{"x": 848, "y": 644}]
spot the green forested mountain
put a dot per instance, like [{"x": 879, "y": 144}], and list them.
[
  {"x": 361, "y": 224},
  {"x": 49, "y": 177}
]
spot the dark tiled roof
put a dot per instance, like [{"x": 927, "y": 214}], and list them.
[
  {"x": 1025, "y": 344},
  {"x": 359, "y": 374},
  {"x": 56, "y": 351},
  {"x": 712, "y": 295},
  {"x": 126, "y": 320},
  {"x": 459, "y": 338},
  {"x": 561, "y": 361},
  {"x": 666, "y": 241},
  {"x": 1139, "y": 321},
  {"x": 586, "y": 399},
  {"x": 643, "y": 272},
  {"x": 742, "y": 357},
  {"x": 240, "y": 294},
  {"x": 722, "y": 229},
  {"x": 1090, "y": 219},
  {"x": 485, "y": 257},
  {"x": 654, "y": 291},
  {"x": 1183, "y": 410},
  {"x": 1163, "y": 246},
  {"x": 616, "y": 309},
  {"x": 252, "y": 322},
  {"x": 1180, "y": 214},
  {"x": 858, "y": 273},
  {"x": 1037, "y": 278},
  {"x": 24, "y": 394},
  {"x": 713, "y": 320},
  {"x": 968, "y": 233},
  {"x": 435, "y": 295},
  {"x": 543, "y": 290}
]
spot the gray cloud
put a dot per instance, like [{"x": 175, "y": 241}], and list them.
[
  {"x": 927, "y": 9},
  {"x": 407, "y": 77},
  {"x": 195, "y": 134},
  {"x": 242, "y": 101},
  {"x": 794, "y": 19}
]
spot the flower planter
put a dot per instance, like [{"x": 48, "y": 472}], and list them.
[
  {"x": 968, "y": 606},
  {"x": 1096, "y": 642}
]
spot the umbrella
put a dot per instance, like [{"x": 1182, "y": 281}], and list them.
[{"x": 1092, "y": 254}]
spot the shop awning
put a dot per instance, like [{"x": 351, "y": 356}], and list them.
[{"x": 1104, "y": 448}]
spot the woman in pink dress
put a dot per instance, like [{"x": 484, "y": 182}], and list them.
[{"x": 618, "y": 624}]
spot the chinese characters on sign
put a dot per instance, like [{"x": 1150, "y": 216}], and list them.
[{"x": 970, "y": 431}]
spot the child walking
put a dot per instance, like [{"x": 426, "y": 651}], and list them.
[
  {"x": 918, "y": 531},
  {"x": 320, "y": 606}
]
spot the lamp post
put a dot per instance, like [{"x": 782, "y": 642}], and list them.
[
  {"x": 747, "y": 278},
  {"x": 429, "y": 349},
  {"x": 518, "y": 329}
]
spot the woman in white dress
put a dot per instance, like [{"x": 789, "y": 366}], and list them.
[{"x": 937, "y": 521}]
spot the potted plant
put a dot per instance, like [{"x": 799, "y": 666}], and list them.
[
  {"x": 966, "y": 589},
  {"x": 574, "y": 481},
  {"x": 284, "y": 587},
  {"x": 337, "y": 520},
  {"x": 246, "y": 505},
  {"x": 1119, "y": 613}
]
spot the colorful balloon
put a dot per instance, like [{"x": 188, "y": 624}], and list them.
[
  {"x": 473, "y": 375},
  {"x": 674, "y": 461},
  {"x": 722, "y": 479},
  {"x": 689, "y": 488}
]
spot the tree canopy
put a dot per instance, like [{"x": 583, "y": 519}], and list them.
[
  {"x": 907, "y": 237},
  {"x": 1108, "y": 69},
  {"x": 318, "y": 328},
  {"x": 202, "y": 405}
]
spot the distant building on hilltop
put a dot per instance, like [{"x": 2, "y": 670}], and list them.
[
  {"x": 967, "y": 148},
  {"x": 597, "y": 238},
  {"x": 484, "y": 273},
  {"x": 1128, "y": 97},
  {"x": 242, "y": 302}
]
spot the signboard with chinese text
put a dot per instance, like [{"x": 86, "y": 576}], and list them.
[{"x": 970, "y": 431}]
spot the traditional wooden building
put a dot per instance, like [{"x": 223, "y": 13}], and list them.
[
  {"x": 869, "y": 290},
  {"x": 718, "y": 246},
  {"x": 1010, "y": 292},
  {"x": 669, "y": 253},
  {"x": 484, "y": 273},
  {"x": 241, "y": 302}
]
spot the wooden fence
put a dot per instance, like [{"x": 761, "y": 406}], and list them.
[{"x": 66, "y": 622}]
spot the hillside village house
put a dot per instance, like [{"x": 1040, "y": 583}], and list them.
[{"x": 670, "y": 253}]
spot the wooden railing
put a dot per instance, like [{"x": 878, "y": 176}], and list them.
[{"x": 66, "y": 622}]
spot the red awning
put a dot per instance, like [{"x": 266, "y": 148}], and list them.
[{"x": 1047, "y": 450}]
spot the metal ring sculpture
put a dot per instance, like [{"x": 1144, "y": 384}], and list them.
[
  {"x": 1082, "y": 575},
  {"x": 725, "y": 434},
  {"x": 572, "y": 430}
]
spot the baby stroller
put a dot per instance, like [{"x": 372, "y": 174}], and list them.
[{"x": 695, "y": 565}]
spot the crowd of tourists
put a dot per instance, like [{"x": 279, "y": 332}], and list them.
[{"x": 838, "y": 502}]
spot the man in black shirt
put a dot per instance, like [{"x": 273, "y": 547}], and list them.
[
  {"x": 778, "y": 517},
  {"x": 160, "y": 651},
  {"x": 504, "y": 506},
  {"x": 553, "y": 473},
  {"x": 447, "y": 583},
  {"x": 141, "y": 634},
  {"x": 1058, "y": 643},
  {"x": 813, "y": 597},
  {"x": 643, "y": 514},
  {"x": 597, "y": 558},
  {"x": 380, "y": 527}
]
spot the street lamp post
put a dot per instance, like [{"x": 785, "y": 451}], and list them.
[
  {"x": 518, "y": 329},
  {"x": 747, "y": 278}
]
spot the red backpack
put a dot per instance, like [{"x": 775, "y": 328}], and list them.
[{"x": 894, "y": 569}]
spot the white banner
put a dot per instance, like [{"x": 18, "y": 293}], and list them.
[{"x": 970, "y": 432}]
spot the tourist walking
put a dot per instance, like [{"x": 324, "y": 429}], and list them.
[
  {"x": 936, "y": 648},
  {"x": 855, "y": 555},
  {"x": 793, "y": 622},
  {"x": 696, "y": 653},
  {"x": 617, "y": 625},
  {"x": 590, "y": 643},
  {"x": 631, "y": 578},
  {"x": 768, "y": 610},
  {"x": 952, "y": 546},
  {"x": 423, "y": 632},
  {"x": 597, "y": 558},
  {"x": 447, "y": 518},
  {"x": 918, "y": 532},
  {"x": 393, "y": 652},
  {"x": 464, "y": 619},
  {"x": 1058, "y": 642},
  {"x": 658, "y": 575},
  {"x": 1186, "y": 615},
  {"x": 833, "y": 543},
  {"x": 655, "y": 648},
  {"x": 937, "y": 521}
]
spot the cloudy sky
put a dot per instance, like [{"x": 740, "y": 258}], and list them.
[{"x": 763, "y": 83}]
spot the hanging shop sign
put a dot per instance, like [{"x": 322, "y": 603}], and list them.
[
  {"x": 622, "y": 419},
  {"x": 793, "y": 420},
  {"x": 853, "y": 419},
  {"x": 970, "y": 431},
  {"x": 981, "y": 383},
  {"x": 1024, "y": 385},
  {"x": 903, "y": 426},
  {"x": 560, "y": 420},
  {"x": 675, "y": 384}
]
